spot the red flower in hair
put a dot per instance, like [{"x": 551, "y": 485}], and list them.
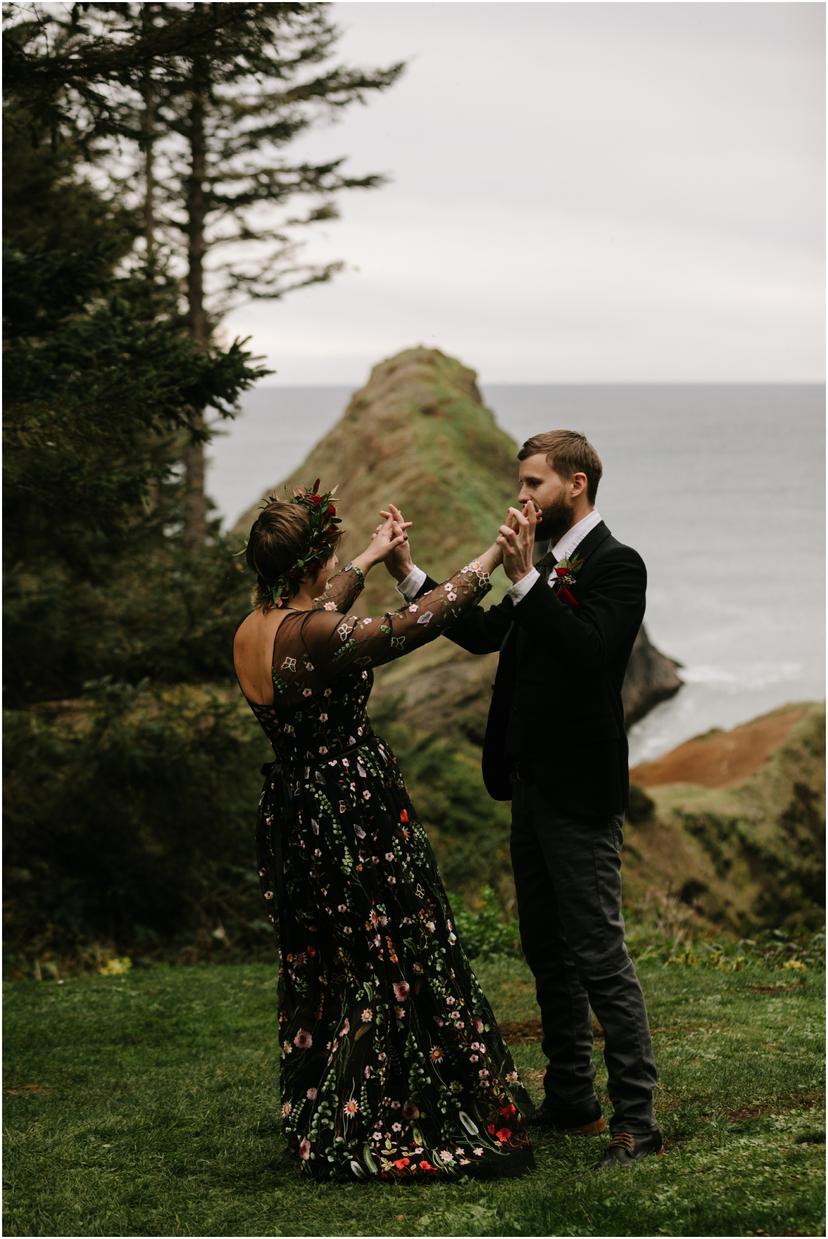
[{"x": 321, "y": 538}]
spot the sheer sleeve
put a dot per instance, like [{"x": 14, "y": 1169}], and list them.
[
  {"x": 342, "y": 590},
  {"x": 327, "y": 644},
  {"x": 479, "y": 631}
]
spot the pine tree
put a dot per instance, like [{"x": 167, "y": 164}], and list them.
[
  {"x": 222, "y": 92},
  {"x": 247, "y": 99},
  {"x": 101, "y": 380}
]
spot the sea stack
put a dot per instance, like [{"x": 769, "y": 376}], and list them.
[{"x": 418, "y": 433}]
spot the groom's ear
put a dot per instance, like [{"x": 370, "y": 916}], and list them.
[{"x": 579, "y": 482}]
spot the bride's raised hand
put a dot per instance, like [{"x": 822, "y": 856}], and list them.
[
  {"x": 399, "y": 562},
  {"x": 387, "y": 537}
]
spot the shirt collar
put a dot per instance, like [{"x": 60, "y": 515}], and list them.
[{"x": 573, "y": 537}]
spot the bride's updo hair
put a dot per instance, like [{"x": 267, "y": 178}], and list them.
[{"x": 279, "y": 537}]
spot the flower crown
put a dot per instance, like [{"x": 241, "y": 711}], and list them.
[{"x": 322, "y": 538}]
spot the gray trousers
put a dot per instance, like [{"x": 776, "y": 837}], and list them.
[{"x": 568, "y": 881}]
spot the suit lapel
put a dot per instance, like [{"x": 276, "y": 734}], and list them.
[
  {"x": 584, "y": 549},
  {"x": 590, "y": 543}
]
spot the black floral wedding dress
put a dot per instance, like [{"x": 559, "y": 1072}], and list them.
[{"x": 392, "y": 1065}]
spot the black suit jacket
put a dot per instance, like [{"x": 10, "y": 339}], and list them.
[{"x": 556, "y": 701}]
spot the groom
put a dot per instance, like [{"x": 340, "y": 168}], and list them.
[{"x": 556, "y": 747}]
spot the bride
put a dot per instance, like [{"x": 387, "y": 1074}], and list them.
[{"x": 392, "y": 1064}]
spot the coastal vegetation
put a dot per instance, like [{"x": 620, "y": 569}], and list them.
[
  {"x": 147, "y": 1104},
  {"x": 737, "y": 822},
  {"x": 132, "y": 765},
  {"x": 141, "y": 1097},
  {"x": 139, "y": 141},
  {"x": 153, "y": 759},
  {"x": 184, "y": 114}
]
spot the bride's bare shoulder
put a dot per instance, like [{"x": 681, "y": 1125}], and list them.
[
  {"x": 258, "y": 620},
  {"x": 256, "y": 627},
  {"x": 246, "y": 629},
  {"x": 253, "y": 643},
  {"x": 257, "y": 631}
]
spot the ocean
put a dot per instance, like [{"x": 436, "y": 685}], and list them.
[{"x": 720, "y": 488}]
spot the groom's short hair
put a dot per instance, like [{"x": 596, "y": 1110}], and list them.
[{"x": 567, "y": 452}]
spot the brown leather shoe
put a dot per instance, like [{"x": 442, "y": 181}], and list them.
[{"x": 627, "y": 1147}]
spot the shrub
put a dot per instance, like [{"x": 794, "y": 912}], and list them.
[
  {"x": 130, "y": 818},
  {"x": 641, "y": 807},
  {"x": 485, "y": 932}
]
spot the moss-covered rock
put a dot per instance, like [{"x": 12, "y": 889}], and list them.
[
  {"x": 418, "y": 434},
  {"x": 737, "y": 831}
]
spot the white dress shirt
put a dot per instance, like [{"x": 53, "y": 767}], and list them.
[
  {"x": 411, "y": 585},
  {"x": 563, "y": 549}
]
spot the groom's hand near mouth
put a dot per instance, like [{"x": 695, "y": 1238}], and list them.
[{"x": 517, "y": 538}]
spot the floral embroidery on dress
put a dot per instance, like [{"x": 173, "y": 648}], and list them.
[{"x": 384, "y": 1030}]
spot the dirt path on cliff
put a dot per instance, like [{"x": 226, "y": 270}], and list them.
[{"x": 722, "y": 758}]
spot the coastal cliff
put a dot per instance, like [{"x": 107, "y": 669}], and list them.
[
  {"x": 418, "y": 433},
  {"x": 731, "y": 824}
]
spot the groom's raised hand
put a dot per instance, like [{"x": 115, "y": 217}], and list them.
[
  {"x": 399, "y": 562},
  {"x": 517, "y": 538}
]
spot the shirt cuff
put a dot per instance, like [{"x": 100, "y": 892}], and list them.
[
  {"x": 521, "y": 588},
  {"x": 411, "y": 585}
]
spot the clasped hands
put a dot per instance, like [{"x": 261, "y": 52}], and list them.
[
  {"x": 516, "y": 538},
  {"x": 389, "y": 538},
  {"x": 515, "y": 541}
]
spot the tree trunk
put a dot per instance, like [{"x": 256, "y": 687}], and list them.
[
  {"x": 148, "y": 123},
  {"x": 149, "y": 114},
  {"x": 195, "y": 499}
]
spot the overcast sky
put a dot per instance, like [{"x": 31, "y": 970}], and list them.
[{"x": 580, "y": 192}]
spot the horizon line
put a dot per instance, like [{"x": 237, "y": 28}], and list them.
[{"x": 591, "y": 383}]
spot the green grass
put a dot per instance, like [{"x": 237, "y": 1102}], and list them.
[{"x": 146, "y": 1104}]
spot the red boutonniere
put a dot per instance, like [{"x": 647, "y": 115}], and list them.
[{"x": 565, "y": 570}]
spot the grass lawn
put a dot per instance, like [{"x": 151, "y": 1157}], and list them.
[{"x": 146, "y": 1104}]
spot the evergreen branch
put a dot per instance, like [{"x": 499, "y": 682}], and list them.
[
  {"x": 182, "y": 36},
  {"x": 245, "y": 290}
]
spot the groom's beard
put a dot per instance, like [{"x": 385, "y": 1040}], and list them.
[{"x": 557, "y": 518}]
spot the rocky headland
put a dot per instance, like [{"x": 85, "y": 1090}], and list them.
[
  {"x": 731, "y": 824},
  {"x": 724, "y": 833},
  {"x": 418, "y": 433}
]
